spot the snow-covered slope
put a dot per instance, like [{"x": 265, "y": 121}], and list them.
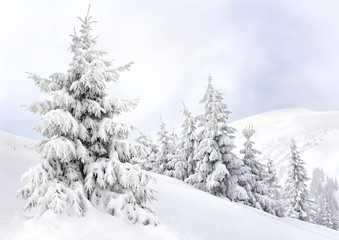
[
  {"x": 316, "y": 134},
  {"x": 16, "y": 157},
  {"x": 186, "y": 213}
]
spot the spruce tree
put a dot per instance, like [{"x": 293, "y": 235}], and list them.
[
  {"x": 150, "y": 148},
  {"x": 183, "y": 162},
  {"x": 272, "y": 180},
  {"x": 159, "y": 162},
  {"x": 218, "y": 169},
  {"x": 317, "y": 186},
  {"x": 298, "y": 200},
  {"x": 86, "y": 158},
  {"x": 328, "y": 219},
  {"x": 254, "y": 180},
  {"x": 329, "y": 194},
  {"x": 173, "y": 149},
  {"x": 323, "y": 188}
]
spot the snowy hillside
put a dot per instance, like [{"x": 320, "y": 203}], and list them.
[
  {"x": 316, "y": 134},
  {"x": 186, "y": 213},
  {"x": 16, "y": 157}
]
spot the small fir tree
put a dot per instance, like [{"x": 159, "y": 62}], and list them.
[
  {"x": 254, "y": 181},
  {"x": 183, "y": 162},
  {"x": 272, "y": 180},
  {"x": 151, "y": 150},
  {"x": 323, "y": 189},
  {"x": 159, "y": 162},
  {"x": 298, "y": 200},
  {"x": 173, "y": 147},
  {"x": 147, "y": 143},
  {"x": 274, "y": 188},
  {"x": 85, "y": 157},
  {"x": 328, "y": 219},
  {"x": 330, "y": 195}
]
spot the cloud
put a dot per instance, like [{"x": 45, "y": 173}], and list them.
[{"x": 264, "y": 55}]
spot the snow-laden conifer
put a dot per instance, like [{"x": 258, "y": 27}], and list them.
[
  {"x": 328, "y": 219},
  {"x": 254, "y": 180},
  {"x": 85, "y": 155},
  {"x": 183, "y": 162},
  {"x": 272, "y": 180},
  {"x": 150, "y": 148},
  {"x": 323, "y": 188},
  {"x": 274, "y": 188},
  {"x": 217, "y": 169},
  {"x": 159, "y": 162},
  {"x": 173, "y": 149},
  {"x": 298, "y": 200}
]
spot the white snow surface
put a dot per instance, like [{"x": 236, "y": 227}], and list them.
[
  {"x": 185, "y": 212},
  {"x": 316, "y": 135}
]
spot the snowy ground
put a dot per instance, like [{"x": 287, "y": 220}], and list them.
[
  {"x": 197, "y": 215},
  {"x": 186, "y": 213}
]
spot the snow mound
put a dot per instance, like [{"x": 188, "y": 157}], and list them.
[
  {"x": 95, "y": 225},
  {"x": 185, "y": 212}
]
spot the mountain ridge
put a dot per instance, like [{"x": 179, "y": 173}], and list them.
[{"x": 310, "y": 129}]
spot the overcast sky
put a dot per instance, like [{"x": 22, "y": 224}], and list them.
[{"x": 264, "y": 55}]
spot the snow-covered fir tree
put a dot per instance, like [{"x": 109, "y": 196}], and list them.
[
  {"x": 146, "y": 142},
  {"x": 317, "y": 185},
  {"x": 254, "y": 180},
  {"x": 272, "y": 180},
  {"x": 217, "y": 167},
  {"x": 329, "y": 192},
  {"x": 173, "y": 147},
  {"x": 183, "y": 162},
  {"x": 174, "y": 140},
  {"x": 159, "y": 162},
  {"x": 298, "y": 200},
  {"x": 151, "y": 150},
  {"x": 85, "y": 159},
  {"x": 328, "y": 219},
  {"x": 323, "y": 188}
]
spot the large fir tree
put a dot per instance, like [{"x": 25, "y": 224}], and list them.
[
  {"x": 218, "y": 169},
  {"x": 85, "y": 156}
]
